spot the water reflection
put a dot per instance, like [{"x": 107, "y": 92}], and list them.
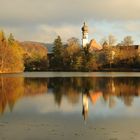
[{"x": 91, "y": 89}]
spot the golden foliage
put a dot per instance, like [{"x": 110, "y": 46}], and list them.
[{"x": 11, "y": 55}]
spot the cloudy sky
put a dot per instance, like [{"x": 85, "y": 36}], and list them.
[{"x": 43, "y": 20}]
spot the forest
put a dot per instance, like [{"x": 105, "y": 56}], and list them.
[
  {"x": 72, "y": 57},
  {"x": 16, "y": 56}
]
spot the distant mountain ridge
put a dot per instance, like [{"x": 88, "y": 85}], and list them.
[{"x": 49, "y": 46}]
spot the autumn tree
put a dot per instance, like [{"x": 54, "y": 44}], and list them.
[
  {"x": 78, "y": 63},
  {"x": 35, "y": 56},
  {"x": 16, "y": 59},
  {"x": 11, "y": 55},
  {"x": 70, "y": 52},
  {"x": 91, "y": 64},
  {"x": 106, "y": 57},
  {"x": 111, "y": 40},
  {"x": 3, "y": 51}
]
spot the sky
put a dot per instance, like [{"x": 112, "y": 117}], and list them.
[{"x": 44, "y": 20}]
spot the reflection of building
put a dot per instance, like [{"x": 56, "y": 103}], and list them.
[
  {"x": 94, "y": 96},
  {"x": 85, "y": 105}
]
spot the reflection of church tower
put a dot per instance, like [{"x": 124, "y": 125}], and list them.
[
  {"x": 85, "y": 105},
  {"x": 84, "y": 35}
]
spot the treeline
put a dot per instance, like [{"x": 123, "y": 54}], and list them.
[
  {"x": 72, "y": 57},
  {"x": 29, "y": 56},
  {"x": 18, "y": 56}
]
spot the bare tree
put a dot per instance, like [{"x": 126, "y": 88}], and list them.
[
  {"x": 127, "y": 41},
  {"x": 103, "y": 40},
  {"x": 111, "y": 40}
]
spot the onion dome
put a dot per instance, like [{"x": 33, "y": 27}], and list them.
[{"x": 85, "y": 28}]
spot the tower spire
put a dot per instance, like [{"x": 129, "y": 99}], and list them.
[{"x": 84, "y": 35}]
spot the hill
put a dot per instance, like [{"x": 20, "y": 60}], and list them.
[
  {"x": 35, "y": 56},
  {"x": 34, "y": 48}
]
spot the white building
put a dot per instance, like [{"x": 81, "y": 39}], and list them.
[{"x": 84, "y": 35}]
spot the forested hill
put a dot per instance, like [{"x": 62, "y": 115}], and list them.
[
  {"x": 27, "y": 45},
  {"x": 33, "y": 47},
  {"x": 35, "y": 55}
]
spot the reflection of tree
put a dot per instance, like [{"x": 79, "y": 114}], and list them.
[
  {"x": 56, "y": 84},
  {"x": 64, "y": 87},
  {"x": 35, "y": 86},
  {"x": 11, "y": 89},
  {"x": 124, "y": 88},
  {"x": 14, "y": 88},
  {"x": 110, "y": 89}
]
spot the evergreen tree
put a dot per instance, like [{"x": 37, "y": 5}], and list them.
[
  {"x": 11, "y": 39},
  {"x": 91, "y": 64},
  {"x": 57, "y": 60}
]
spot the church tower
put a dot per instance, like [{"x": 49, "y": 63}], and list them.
[{"x": 84, "y": 35}]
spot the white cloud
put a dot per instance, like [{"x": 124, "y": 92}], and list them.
[
  {"x": 69, "y": 10},
  {"x": 43, "y": 20},
  {"x": 66, "y": 31}
]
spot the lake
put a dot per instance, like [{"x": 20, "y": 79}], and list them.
[{"x": 61, "y": 105}]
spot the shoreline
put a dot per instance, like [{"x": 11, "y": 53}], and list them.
[
  {"x": 71, "y": 74},
  {"x": 69, "y": 71}
]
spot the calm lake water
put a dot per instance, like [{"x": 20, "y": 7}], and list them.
[{"x": 101, "y": 106}]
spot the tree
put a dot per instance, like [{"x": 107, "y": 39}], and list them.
[
  {"x": 111, "y": 40},
  {"x": 11, "y": 55},
  {"x": 71, "y": 50},
  {"x": 11, "y": 39},
  {"x": 106, "y": 57},
  {"x": 35, "y": 56},
  {"x": 91, "y": 64},
  {"x": 58, "y": 47},
  {"x": 103, "y": 41},
  {"x": 127, "y": 41},
  {"x": 3, "y": 50},
  {"x": 58, "y": 51},
  {"x": 78, "y": 61},
  {"x": 73, "y": 46}
]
